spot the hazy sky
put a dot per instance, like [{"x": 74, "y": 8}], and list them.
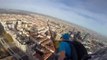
[{"x": 87, "y": 13}]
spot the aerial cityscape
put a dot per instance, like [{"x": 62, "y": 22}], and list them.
[
  {"x": 28, "y": 36},
  {"x": 53, "y": 29}
]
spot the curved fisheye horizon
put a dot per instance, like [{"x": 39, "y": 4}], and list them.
[
  {"x": 53, "y": 30},
  {"x": 3, "y": 10},
  {"x": 89, "y": 14}
]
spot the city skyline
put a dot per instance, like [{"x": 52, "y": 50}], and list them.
[{"x": 91, "y": 14}]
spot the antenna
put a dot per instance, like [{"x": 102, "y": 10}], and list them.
[{"x": 52, "y": 38}]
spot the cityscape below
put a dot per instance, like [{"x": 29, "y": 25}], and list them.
[{"x": 26, "y": 35}]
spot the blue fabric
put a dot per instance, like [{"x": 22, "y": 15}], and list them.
[
  {"x": 66, "y": 36},
  {"x": 64, "y": 46}
]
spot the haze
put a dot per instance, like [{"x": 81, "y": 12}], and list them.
[{"x": 91, "y": 14}]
